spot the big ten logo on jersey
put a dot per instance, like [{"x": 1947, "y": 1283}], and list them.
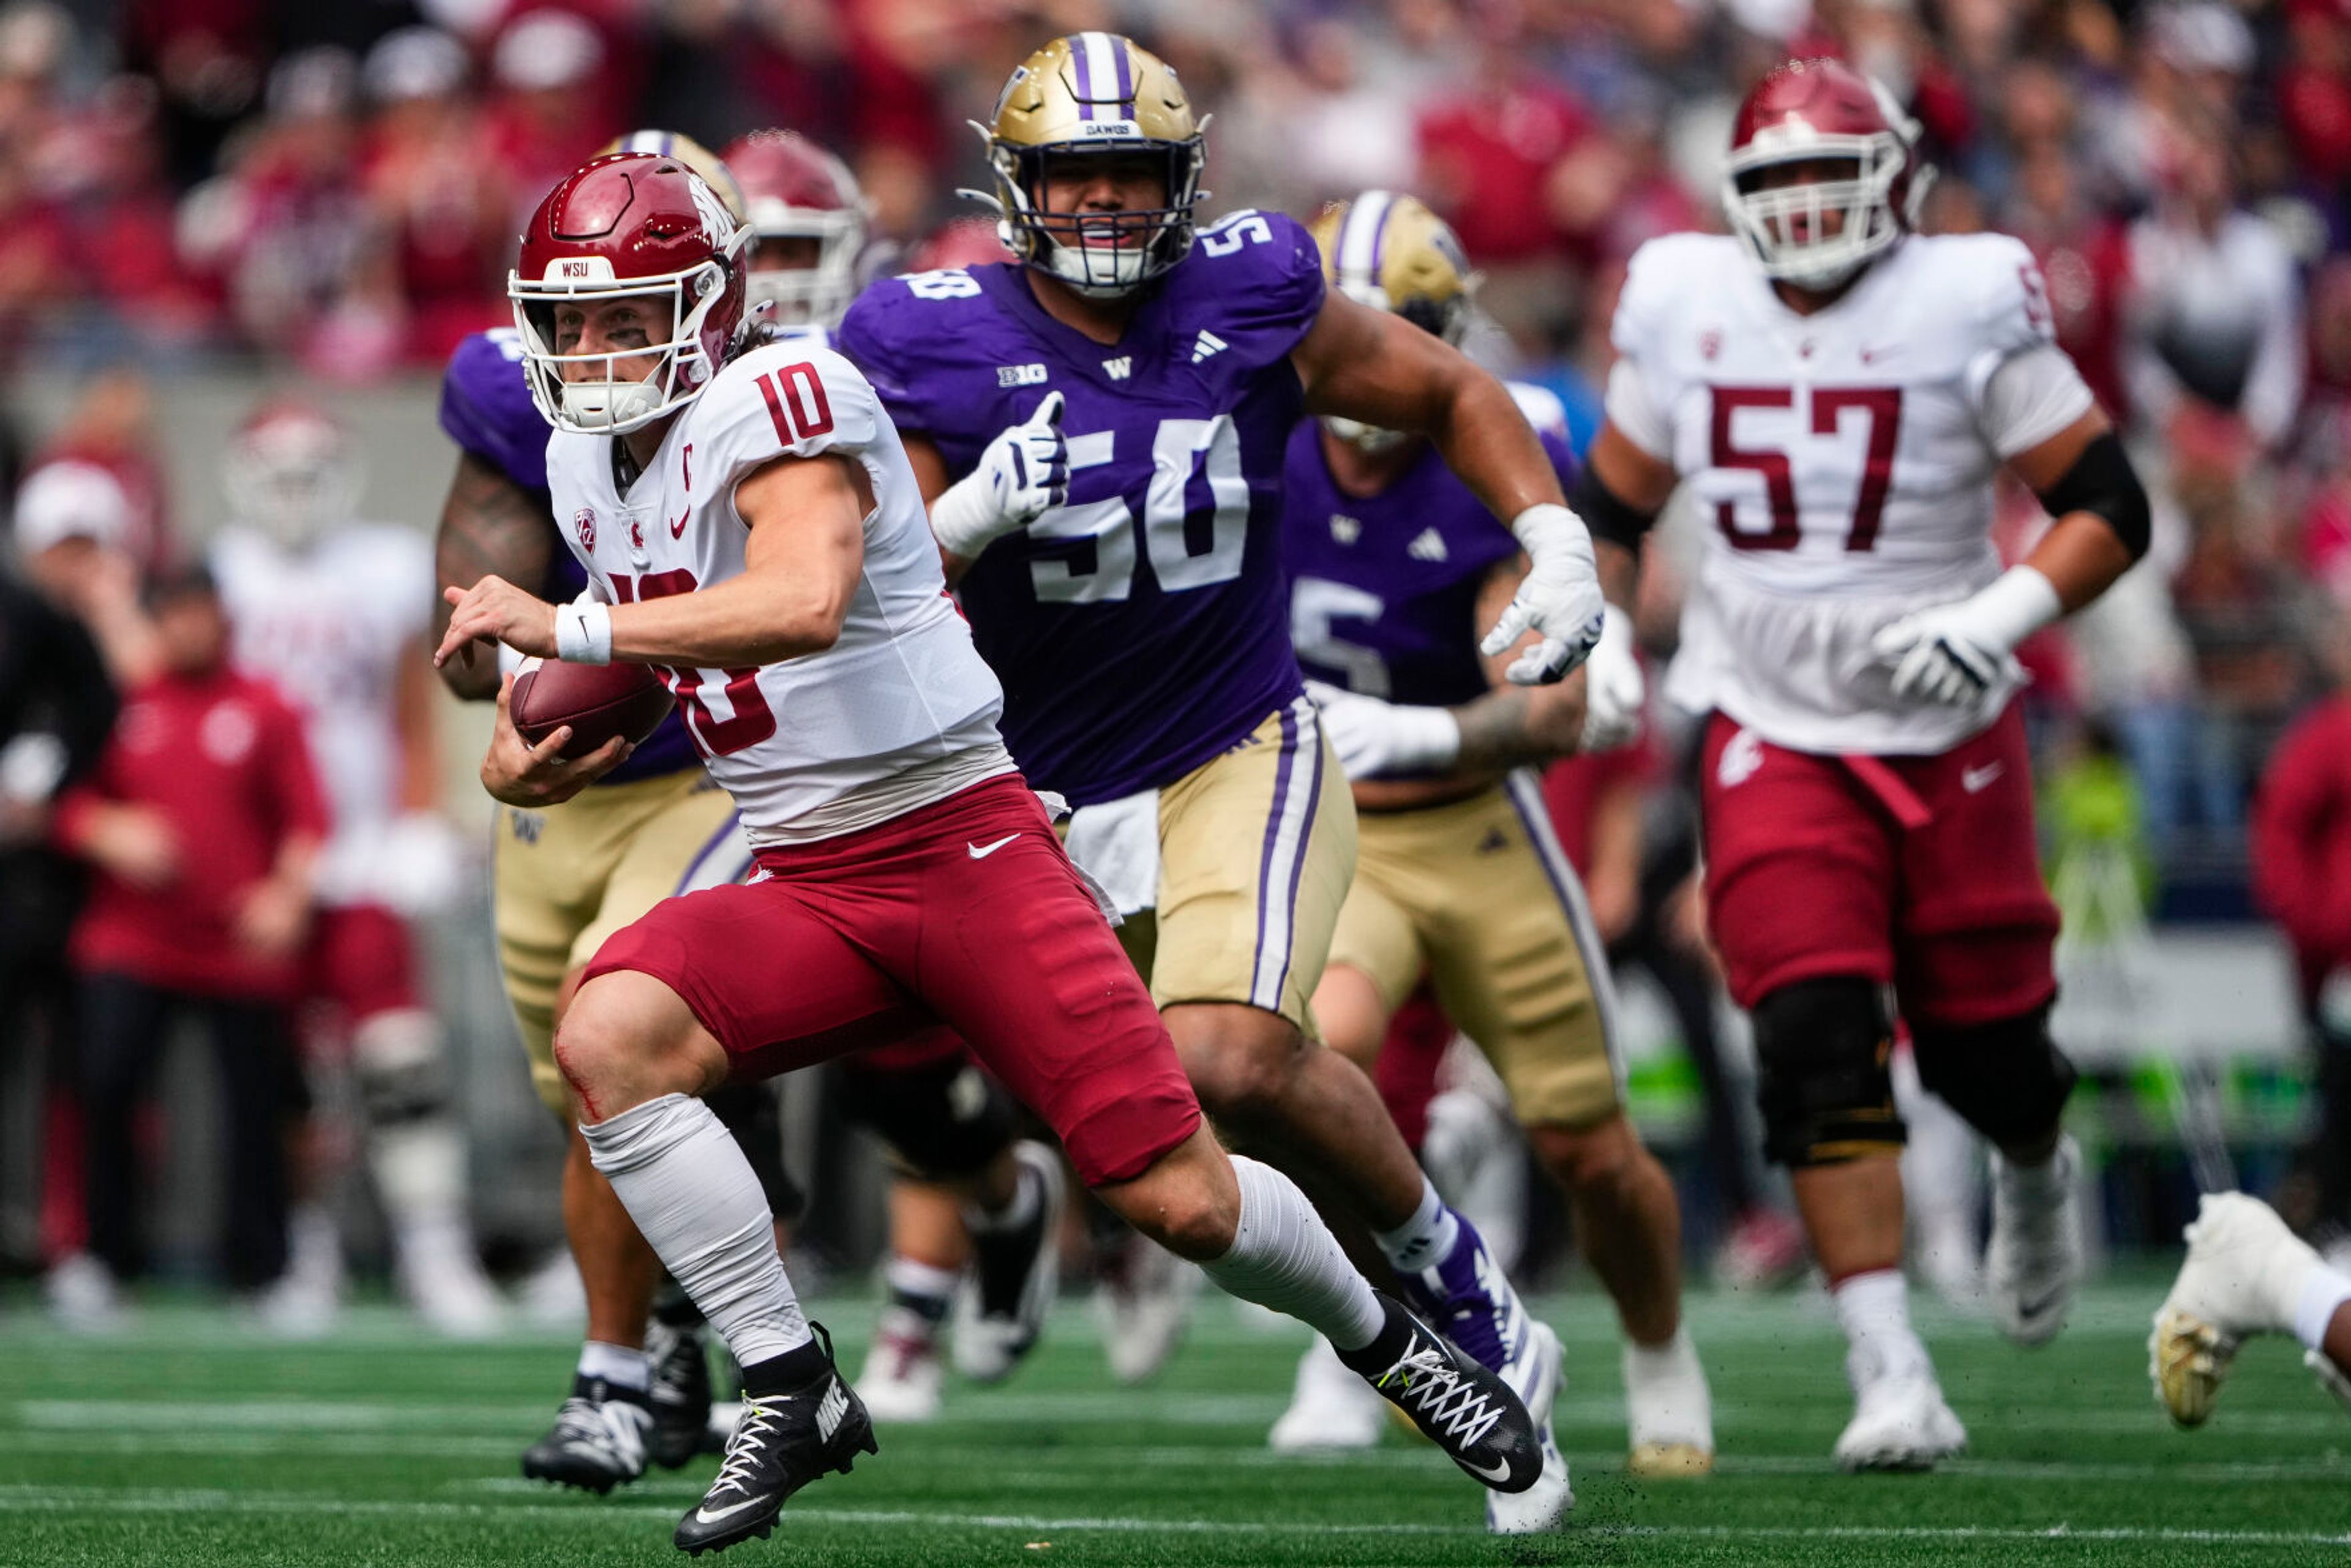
[
  {"x": 1772, "y": 430},
  {"x": 1019, "y": 375},
  {"x": 726, "y": 714},
  {"x": 1085, "y": 552}
]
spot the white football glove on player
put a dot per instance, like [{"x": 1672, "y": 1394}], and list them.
[
  {"x": 1613, "y": 689},
  {"x": 1021, "y": 475},
  {"x": 1375, "y": 738},
  {"x": 1955, "y": 652},
  {"x": 1560, "y": 597}
]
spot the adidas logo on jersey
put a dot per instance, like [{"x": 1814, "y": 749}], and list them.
[
  {"x": 1344, "y": 528},
  {"x": 1118, "y": 370},
  {"x": 1206, "y": 344},
  {"x": 1428, "y": 546},
  {"x": 834, "y": 1406},
  {"x": 1020, "y": 375}
]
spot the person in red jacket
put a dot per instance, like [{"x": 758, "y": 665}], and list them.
[
  {"x": 2301, "y": 843},
  {"x": 200, "y": 823}
]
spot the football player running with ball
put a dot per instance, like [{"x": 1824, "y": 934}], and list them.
[
  {"x": 1140, "y": 630},
  {"x": 752, "y": 529},
  {"x": 1839, "y": 392},
  {"x": 1394, "y": 568}
]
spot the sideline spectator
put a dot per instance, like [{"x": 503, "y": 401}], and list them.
[{"x": 201, "y": 823}]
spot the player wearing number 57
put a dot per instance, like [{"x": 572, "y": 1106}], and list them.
[{"x": 1838, "y": 392}]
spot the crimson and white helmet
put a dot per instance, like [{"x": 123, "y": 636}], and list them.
[
  {"x": 634, "y": 224},
  {"x": 1805, "y": 110},
  {"x": 795, "y": 190},
  {"x": 292, "y": 472}
]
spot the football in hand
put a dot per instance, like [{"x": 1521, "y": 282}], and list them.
[{"x": 598, "y": 701}]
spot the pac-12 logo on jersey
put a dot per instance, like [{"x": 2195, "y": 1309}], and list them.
[{"x": 583, "y": 523}]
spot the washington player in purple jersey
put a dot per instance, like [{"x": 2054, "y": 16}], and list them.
[
  {"x": 1140, "y": 630},
  {"x": 569, "y": 875},
  {"x": 1393, "y": 567}
]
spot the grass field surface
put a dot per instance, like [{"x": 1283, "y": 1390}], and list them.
[{"x": 191, "y": 1443}]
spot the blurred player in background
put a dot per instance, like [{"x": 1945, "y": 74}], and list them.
[
  {"x": 332, "y": 611},
  {"x": 1394, "y": 568},
  {"x": 754, "y": 531},
  {"x": 1841, "y": 392},
  {"x": 1139, "y": 630},
  {"x": 201, "y": 822}
]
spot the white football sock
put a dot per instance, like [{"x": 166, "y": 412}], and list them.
[
  {"x": 618, "y": 1364},
  {"x": 1285, "y": 1258},
  {"x": 697, "y": 1203},
  {"x": 1874, "y": 1311},
  {"x": 1426, "y": 1238},
  {"x": 2324, "y": 1290}
]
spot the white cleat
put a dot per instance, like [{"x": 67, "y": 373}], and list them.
[
  {"x": 1536, "y": 1377},
  {"x": 443, "y": 1279},
  {"x": 1670, "y": 1411},
  {"x": 83, "y": 1297},
  {"x": 902, "y": 1378},
  {"x": 2033, "y": 1262},
  {"x": 1331, "y": 1409},
  {"x": 1900, "y": 1423},
  {"x": 1144, "y": 1303},
  {"x": 2243, "y": 1272}
]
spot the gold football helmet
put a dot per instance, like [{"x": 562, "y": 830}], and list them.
[
  {"x": 1094, "y": 95},
  {"x": 695, "y": 156},
  {"x": 1391, "y": 253}
]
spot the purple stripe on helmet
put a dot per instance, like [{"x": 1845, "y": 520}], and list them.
[
  {"x": 1079, "y": 54},
  {"x": 1118, "y": 51},
  {"x": 1273, "y": 824},
  {"x": 1380, "y": 242}
]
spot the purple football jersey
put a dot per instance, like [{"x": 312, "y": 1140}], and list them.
[
  {"x": 486, "y": 408},
  {"x": 1384, "y": 588},
  {"x": 1140, "y": 630}
]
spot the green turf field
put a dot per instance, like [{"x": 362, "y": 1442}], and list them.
[{"x": 191, "y": 1443}]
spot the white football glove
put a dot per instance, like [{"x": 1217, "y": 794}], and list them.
[
  {"x": 1614, "y": 688},
  {"x": 1375, "y": 738},
  {"x": 1021, "y": 475},
  {"x": 1560, "y": 597},
  {"x": 1956, "y": 653}
]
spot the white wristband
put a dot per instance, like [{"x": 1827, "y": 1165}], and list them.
[
  {"x": 2017, "y": 604},
  {"x": 1426, "y": 740},
  {"x": 583, "y": 632},
  {"x": 965, "y": 519}
]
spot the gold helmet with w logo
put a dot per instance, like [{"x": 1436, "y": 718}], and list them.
[
  {"x": 1391, "y": 253},
  {"x": 1093, "y": 96}
]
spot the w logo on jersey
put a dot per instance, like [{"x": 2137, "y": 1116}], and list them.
[{"x": 1119, "y": 369}]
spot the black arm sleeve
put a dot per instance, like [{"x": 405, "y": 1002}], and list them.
[
  {"x": 2102, "y": 481},
  {"x": 1607, "y": 515}
]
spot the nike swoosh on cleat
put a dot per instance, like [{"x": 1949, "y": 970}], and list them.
[
  {"x": 981, "y": 852},
  {"x": 2034, "y": 1307},
  {"x": 705, "y": 1516},
  {"x": 1500, "y": 1472}
]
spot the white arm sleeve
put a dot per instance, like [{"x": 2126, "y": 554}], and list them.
[
  {"x": 1635, "y": 413},
  {"x": 2030, "y": 397}
]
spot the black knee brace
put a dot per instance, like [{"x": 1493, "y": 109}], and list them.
[
  {"x": 945, "y": 1120},
  {"x": 2008, "y": 1079},
  {"x": 1821, "y": 1050},
  {"x": 751, "y": 1113}
]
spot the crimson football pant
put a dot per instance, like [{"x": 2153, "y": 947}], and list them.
[{"x": 124, "y": 1025}]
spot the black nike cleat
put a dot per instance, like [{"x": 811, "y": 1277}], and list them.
[
  {"x": 1459, "y": 1406},
  {"x": 784, "y": 1441},
  {"x": 598, "y": 1441},
  {"x": 680, "y": 1394}
]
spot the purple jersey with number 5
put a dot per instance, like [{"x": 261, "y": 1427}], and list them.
[
  {"x": 1384, "y": 588},
  {"x": 1140, "y": 629},
  {"x": 485, "y": 408}
]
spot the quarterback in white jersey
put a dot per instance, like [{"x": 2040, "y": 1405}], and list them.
[
  {"x": 1838, "y": 394},
  {"x": 765, "y": 545},
  {"x": 334, "y": 613}
]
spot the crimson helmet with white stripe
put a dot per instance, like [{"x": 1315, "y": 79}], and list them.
[
  {"x": 631, "y": 225},
  {"x": 1817, "y": 233},
  {"x": 795, "y": 190}
]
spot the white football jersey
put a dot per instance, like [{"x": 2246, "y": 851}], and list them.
[
  {"x": 328, "y": 626},
  {"x": 901, "y": 711},
  {"x": 1841, "y": 463}
]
